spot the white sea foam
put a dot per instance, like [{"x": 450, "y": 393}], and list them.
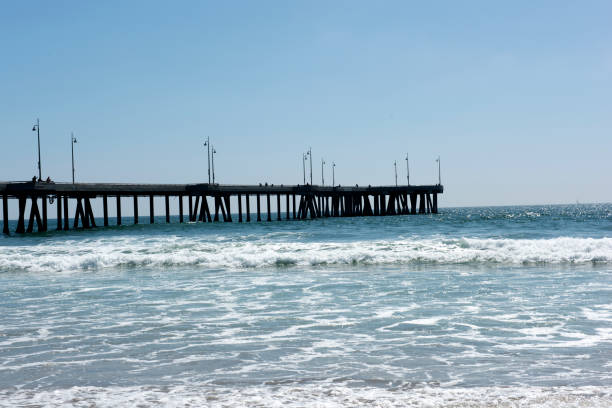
[
  {"x": 182, "y": 251},
  {"x": 317, "y": 395}
]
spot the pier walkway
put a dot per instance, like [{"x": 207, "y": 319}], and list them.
[{"x": 300, "y": 201}]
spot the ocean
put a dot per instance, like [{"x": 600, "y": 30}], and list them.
[{"x": 472, "y": 307}]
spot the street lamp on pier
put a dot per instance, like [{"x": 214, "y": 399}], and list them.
[
  {"x": 36, "y": 128},
  {"x": 72, "y": 143},
  {"x": 407, "y": 170},
  {"x": 439, "y": 176},
  {"x": 304, "y": 158},
  {"x": 310, "y": 154},
  {"x": 213, "y": 163},
  {"x": 395, "y": 167},
  {"x": 333, "y": 174},
  {"x": 322, "y": 172},
  {"x": 207, "y": 145}
]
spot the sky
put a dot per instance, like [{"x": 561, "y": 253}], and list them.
[{"x": 515, "y": 97}]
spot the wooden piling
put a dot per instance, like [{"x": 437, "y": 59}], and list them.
[
  {"x": 194, "y": 216},
  {"x": 278, "y": 207},
  {"x": 167, "y": 209},
  {"x": 118, "y": 209},
  {"x": 180, "y": 197},
  {"x": 151, "y": 210},
  {"x": 239, "y": 207},
  {"x": 5, "y": 219},
  {"x": 248, "y": 207},
  {"x": 190, "y": 208},
  {"x": 268, "y": 207},
  {"x": 105, "y": 209},
  {"x": 66, "y": 217},
  {"x": 258, "y": 209},
  {"x": 58, "y": 205},
  {"x": 20, "y": 221},
  {"x": 89, "y": 215},
  {"x": 135, "y": 209},
  {"x": 34, "y": 215},
  {"x": 294, "y": 206},
  {"x": 227, "y": 212},
  {"x": 44, "y": 213}
]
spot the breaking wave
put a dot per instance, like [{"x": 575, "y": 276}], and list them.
[{"x": 218, "y": 253}]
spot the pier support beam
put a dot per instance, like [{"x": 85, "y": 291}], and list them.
[
  {"x": 5, "y": 220},
  {"x": 135, "y": 209},
  {"x": 287, "y": 205},
  {"x": 413, "y": 203},
  {"x": 435, "y": 203},
  {"x": 105, "y": 209},
  {"x": 58, "y": 206},
  {"x": 258, "y": 209},
  {"x": 190, "y": 208},
  {"x": 151, "y": 210},
  {"x": 20, "y": 221},
  {"x": 79, "y": 213},
  {"x": 205, "y": 215},
  {"x": 118, "y": 209},
  {"x": 44, "y": 213},
  {"x": 34, "y": 215},
  {"x": 294, "y": 206},
  {"x": 248, "y": 208},
  {"x": 227, "y": 213},
  {"x": 180, "y": 208},
  {"x": 278, "y": 207},
  {"x": 66, "y": 217},
  {"x": 167, "y": 209},
  {"x": 194, "y": 215},
  {"x": 239, "y": 207},
  {"x": 89, "y": 216},
  {"x": 422, "y": 203},
  {"x": 268, "y": 207}
]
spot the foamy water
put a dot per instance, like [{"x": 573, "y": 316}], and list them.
[{"x": 471, "y": 308}]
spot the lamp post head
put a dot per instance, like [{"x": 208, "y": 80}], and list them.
[{"x": 34, "y": 128}]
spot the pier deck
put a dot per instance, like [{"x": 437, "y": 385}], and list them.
[{"x": 313, "y": 201}]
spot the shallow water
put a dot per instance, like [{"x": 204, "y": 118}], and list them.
[{"x": 471, "y": 307}]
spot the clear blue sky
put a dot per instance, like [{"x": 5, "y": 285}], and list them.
[{"x": 516, "y": 97}]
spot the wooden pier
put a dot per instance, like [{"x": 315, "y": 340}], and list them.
[{"x": 301, "y": 202}]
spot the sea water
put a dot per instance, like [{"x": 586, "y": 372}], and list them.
[{"x": 472, "y": 307}]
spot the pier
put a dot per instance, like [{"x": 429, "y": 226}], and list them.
[{"x": 210, "y": 202}]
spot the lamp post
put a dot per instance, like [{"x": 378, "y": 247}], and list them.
[
  {"x": 304, "y": 165},
  {"x": 407, "y": 169},
  {"x": 72, "y": 142},
  {"x": 207, "y": 144},
  {"x": 395, "y": 167},
  {"x": 322, "y": 172},
  {"x": 213, "y": 164},
  {"x": 36, "y": 128},
  {"x": 310, "y": 154},
  {"x": 439, "y": 176},
  {"x": 333, "y": 174}
]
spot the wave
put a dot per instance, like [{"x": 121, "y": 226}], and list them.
[
  {"x": 317, "y": 394},
  {"x": 172, "y": 251}
]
